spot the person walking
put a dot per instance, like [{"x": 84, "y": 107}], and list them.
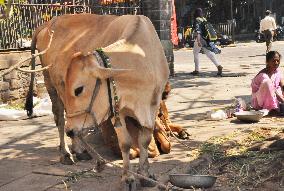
[
  {"x": 202, "y": 42},
  {"x": 267, "y": 27}
]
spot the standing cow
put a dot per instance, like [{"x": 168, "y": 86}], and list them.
[{"x": 77, "y": 79}]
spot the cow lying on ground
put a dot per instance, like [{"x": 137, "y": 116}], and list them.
[
  {"x": 160, "y": 141},
  {"x": 77, "y": 79}
]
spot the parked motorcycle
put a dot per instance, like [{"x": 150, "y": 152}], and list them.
[
  {"x": 279, "y": 35},
  {"x": 259, "y": 37},
  {"x": 223, "y": 39}
]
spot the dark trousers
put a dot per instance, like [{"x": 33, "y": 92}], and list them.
[{"x": 268, "y": 36}]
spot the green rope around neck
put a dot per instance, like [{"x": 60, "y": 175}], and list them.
[{"x": 107, "y": 64}]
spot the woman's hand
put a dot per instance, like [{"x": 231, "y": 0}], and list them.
[
  {"x": 279, "y": 96},
  {"x": 198, "y": 40},
  {"x": 282, "y": 84},
  {"x": 199, "y": 44}
]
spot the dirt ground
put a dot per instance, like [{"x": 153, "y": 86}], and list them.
[{"x": 243, "y": 156}]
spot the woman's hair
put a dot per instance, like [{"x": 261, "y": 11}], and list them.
[
  {"x": 271, "y": 54},
  {"x": 198, "y": 13}
]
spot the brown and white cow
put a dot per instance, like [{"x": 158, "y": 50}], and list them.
[{"x": 139, "y": 69}]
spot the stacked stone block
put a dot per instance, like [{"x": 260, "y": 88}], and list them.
[{"x": 14, "y": 85}]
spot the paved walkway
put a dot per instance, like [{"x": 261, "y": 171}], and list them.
[{"x": 28, "y": 148}]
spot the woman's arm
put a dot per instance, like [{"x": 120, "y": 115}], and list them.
[
  {"x": 282, "y": 84},
  {"x": 279, "y": 94}
]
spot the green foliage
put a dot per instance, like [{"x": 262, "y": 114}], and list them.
[
  {"x": 5, "y": 14},
  {"x": 16, "y": 106},
  {"x": 2, "y": 3}
]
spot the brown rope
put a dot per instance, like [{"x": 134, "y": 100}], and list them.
[{"x": 36, "y": 70}]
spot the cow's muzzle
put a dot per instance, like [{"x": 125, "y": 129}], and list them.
[
  {"x": 70, "y": 133},
  {"x": 82, "y": 133}
]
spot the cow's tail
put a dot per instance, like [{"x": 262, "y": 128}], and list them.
[{"x": 29, "y": 98}]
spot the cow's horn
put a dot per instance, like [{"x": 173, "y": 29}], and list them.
[
  {"x": 99, "y": 71},
  {"x": 104, "y": 73}
]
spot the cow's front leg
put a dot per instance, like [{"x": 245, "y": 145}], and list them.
[
  {"x": 125, "y": 142},
  {"x": 58, "y": 112},
  {"x": 65, "y": 154},
  {"x": 144, "y": 139}
]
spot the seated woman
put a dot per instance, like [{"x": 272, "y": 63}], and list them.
[{"x": 267, "y": 84}]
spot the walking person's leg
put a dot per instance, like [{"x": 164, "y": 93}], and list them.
[
  {"x": 212, "y": 57},
  {"x": 196, "y": 50},
  {"x": 268, "y": 39}
]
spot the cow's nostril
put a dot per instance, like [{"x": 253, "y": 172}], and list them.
[{"x": 70, "y": 133}]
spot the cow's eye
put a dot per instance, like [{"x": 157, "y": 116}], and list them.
[{"x": 78, "y": 90}]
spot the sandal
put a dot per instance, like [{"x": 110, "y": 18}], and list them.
[
  {"x": 195, "y": 73},
  {"x": 220, "y": 70}
]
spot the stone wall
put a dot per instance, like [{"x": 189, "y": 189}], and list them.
[
  {"x": 14, "y": 86},
  {"x": 160, "y": 12}
]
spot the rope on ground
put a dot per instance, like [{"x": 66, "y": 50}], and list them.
[
  {"x": 69, "y": 178},
  {"x": 103, "y": 161},
  {"x": 95, "y": 154}
]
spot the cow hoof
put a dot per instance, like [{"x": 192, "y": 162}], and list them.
[
  {"x": 129, "y": 184},
  {"x": 148, "y": 183},
  {"x": 66, "y": 159},
  {"x": 83, "y": 156}
]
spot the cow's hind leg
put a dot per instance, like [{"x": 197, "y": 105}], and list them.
[
  {"x": 58, "y": 112},
  {"x": 144, "y": 139},
  {"x": 125, "y": 142}
]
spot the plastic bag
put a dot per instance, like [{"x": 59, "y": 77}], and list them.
[{"x": 217, "y": 115}]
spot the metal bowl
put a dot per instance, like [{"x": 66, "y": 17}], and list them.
[
  {"x": 192, "y": 181},
  {"x": 249, "y": 116}
]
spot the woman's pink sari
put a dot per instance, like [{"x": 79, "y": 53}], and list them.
[{"x": 263, "y": 90}]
